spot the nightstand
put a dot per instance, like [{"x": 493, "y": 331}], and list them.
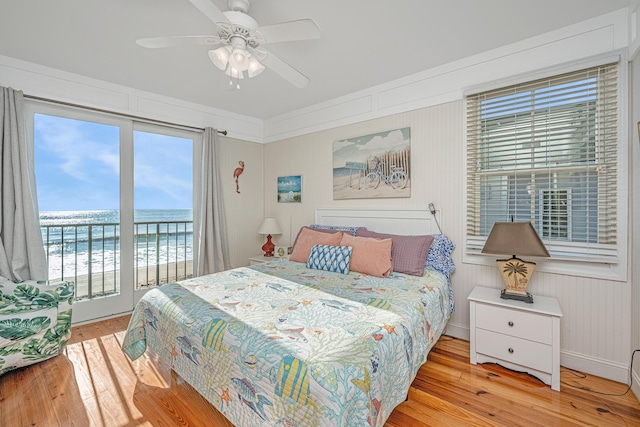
[
  {"x": 520, "y": 336},
  {"x": 259, "y": 259}
]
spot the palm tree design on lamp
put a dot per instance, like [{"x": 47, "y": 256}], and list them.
[
  {"x": 517, "y": 268},
  {"x": 515, "y": 238}
]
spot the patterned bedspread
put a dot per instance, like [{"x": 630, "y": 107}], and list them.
[{"x": 279, "y": 344}]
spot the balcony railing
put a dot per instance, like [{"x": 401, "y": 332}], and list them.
[{"x": 89, "y": 255}]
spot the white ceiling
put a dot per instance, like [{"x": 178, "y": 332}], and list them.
[{"x": 364, "y": 42}]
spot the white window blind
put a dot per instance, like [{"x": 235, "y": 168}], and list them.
[{"x": 545, "y": 151}]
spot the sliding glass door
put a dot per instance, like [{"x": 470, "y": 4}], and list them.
[
  {"x": 163, "y": 202},
  {"x": 116, "y": 202}
]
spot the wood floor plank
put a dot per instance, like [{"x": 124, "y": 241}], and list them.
[
  {"x": 60, "y": 380},
  {"x": 497, "y": 382},
  {"x": 438, "y": 411},
  {"x": 521, "y": 389},
  {"x": 94, "y": 384}
]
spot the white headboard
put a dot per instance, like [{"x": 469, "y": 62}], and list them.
[{"x": 392, "y": 221}]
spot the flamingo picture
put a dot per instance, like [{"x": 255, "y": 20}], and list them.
[{"x": 237, "y": 173}]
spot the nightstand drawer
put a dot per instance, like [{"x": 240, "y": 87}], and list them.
[
  {"x": 515, "y": 350},
  {"x": 530, "y": 326}
]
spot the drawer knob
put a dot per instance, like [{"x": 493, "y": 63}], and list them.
[
  {"x": 510, "y": 350},
  {"x": 510, "y": 323}
]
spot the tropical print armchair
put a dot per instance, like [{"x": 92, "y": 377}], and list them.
[{"x": 35, "y": 321}]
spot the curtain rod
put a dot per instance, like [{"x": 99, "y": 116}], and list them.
[{"x": 128, "y": 116}]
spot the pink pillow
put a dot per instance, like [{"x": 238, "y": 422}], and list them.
[
  {"x": 307, "y": 238},
  {"x": 409, "y": 253},
  {"x": 369, "y": 256},
  {"x": 321, "y": 230}
]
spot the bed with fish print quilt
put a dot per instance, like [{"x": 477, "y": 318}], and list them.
[{"x": 284, "y": 345}]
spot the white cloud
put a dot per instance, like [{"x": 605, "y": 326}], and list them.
[
  {"x": 377, "y": 143},
  {"x": 339, "y": 145}
]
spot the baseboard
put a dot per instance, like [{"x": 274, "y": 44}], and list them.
[
  {"x": 457, "y": 331},
  {"x": 595, "y": 366},
  {"x": 100, "y": 319}
]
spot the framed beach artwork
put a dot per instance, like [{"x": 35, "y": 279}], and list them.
[
  {"x": 290, "y": 189},
  {"x": 373, "y": 166}
]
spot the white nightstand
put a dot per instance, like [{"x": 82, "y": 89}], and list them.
[
  {"x": 520, "y": 336},
  {"x": 259, "y": 259}
]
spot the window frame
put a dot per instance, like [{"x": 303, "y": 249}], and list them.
[
  {"x": 129, "y": 296},
  {"x": 568, "y": 214},
  {"x": 617, "y": 271}
]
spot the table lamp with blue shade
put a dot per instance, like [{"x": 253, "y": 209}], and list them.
[{"x": 516, "y": 238}]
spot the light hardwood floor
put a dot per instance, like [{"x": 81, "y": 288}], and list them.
[{"x": 95, "y": 384}]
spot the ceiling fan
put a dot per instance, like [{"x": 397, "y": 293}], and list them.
[{"x": 242, "y": 41}]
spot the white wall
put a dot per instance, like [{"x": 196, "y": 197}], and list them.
[
  {"x": 244, "y": 209},
  {"x": 634, "y": 161},
  {"x": 602, "y": 35},
  {"x": 635, "y": 208},
  {"x": 49, "y": 83},
  {"x": 597, "y": 324}
]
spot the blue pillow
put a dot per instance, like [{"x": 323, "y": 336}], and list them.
[
  {"x": 439, "y": 256},
  {"x": 343, "y": 228},
  {"x": 439, "y": 259},
  {"x": 330, "y": 258}
]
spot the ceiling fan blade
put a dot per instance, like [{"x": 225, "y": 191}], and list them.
[
  {"x": 303, "y": 29},
  {"x": 284, "y": 70},
  {"x": 210, "y": 10},
  {"x": 158, "y": 42}
]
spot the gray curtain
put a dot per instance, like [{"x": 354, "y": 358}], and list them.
[
  {"x": 213, "y": 248},
  {"x": 22, "y": 254}
]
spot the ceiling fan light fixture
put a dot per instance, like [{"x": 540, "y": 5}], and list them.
[
  {"x": 220, "y": 57},
  {"x": 234, "y": 73},
  {"x": 239, "y": 59},
  {"x": 242, "y": 38},
  {"x": 255, "y": 67}
]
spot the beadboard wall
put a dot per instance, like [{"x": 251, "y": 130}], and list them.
[
  {"x": 49, "y": 83},
  {"x": 243, "y": 210},
  {"x": 635, "y": 200},
  {"x": 596, "y": 324}
]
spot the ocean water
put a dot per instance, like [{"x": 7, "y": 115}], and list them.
[{"x": 80, "y": 239}]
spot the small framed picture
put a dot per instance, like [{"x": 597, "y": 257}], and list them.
[
  {"x": 290, "y": 189},
  {"x": 280, "y": 251}
]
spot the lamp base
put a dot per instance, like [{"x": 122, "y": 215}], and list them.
[
  {"x": 527, "y": 297},
  {"x": 516, "y": 274},
  {"x": 268, "y": 247}
]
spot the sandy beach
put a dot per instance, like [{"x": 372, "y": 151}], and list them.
[{"x": 107, "y": 284}]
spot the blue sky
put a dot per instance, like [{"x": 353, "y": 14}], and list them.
[
  {"x": 361, "y": 148},
  {"x": 289, "y": 183},
  {"x": 77, "y": 167}
]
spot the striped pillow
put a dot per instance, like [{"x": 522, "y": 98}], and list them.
[{"x": 330, "y": 258}]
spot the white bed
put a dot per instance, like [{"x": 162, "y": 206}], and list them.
[{"x": 405, "y": 221}]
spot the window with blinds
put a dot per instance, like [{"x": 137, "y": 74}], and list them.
[{"x": 545, "y": 151}]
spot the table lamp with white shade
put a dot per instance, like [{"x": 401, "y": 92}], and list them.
[{"x": 269, "y": 226}]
